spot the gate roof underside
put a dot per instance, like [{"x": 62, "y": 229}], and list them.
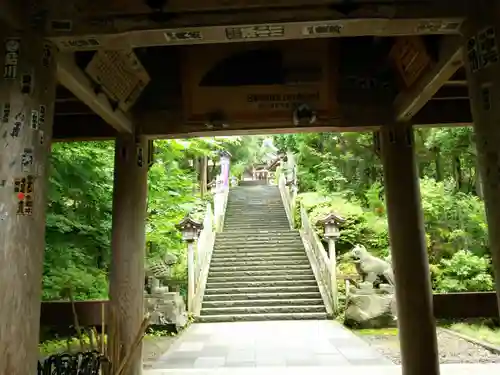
[{"x": 177, "y": 68}]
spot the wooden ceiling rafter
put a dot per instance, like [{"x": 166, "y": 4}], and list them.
[
  {"x": 76, "y": 81},
  {"x": 409, "y": 101}
]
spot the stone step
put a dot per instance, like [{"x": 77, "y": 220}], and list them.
[
  {"x": 257, "y": 244},
  {"x": 269, "y": 277},
  {"x": 239, "y": 228},
  {"x": 257, "y": 235},
  {"x": 259, "y": 267},
  {"x": 252, "y": 264},
  {"x": 260, "y": 289},
  {"x": 261, "y": 317},
  {"x": 259, "y": 284},
  {"x": 259, "y": 296},
  {"x": 262, "y": 310},
  {"x": 239, "y": 256},
  {"x": 262, "y": 223},
  {"x": 262, "y": 259},
  {"x": 265, "y": 247},
  {"x": 275, "y": 272},
  {"x": 255, "y": 210},
  {"x": 263, "y": 302},
  {"x": 265, "y": 232},
  {"x": 257, "y": 251},
  {"x": 256, "y": 217},
  {"x": 258, "y": 239}
]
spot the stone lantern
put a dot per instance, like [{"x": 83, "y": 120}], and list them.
[
  {"x": 190, "y": 230},
  {"x": 331, "y": 226}
]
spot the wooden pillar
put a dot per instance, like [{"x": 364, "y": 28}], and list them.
[
  {"x": 27, "y": 91},
  {"x": 482, "y": 61},
  {"x": 417, "y": 327},
  {"x": 128, "y": 240}
]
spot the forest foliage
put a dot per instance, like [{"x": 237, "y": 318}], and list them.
[
  {"x": 338, "y": 172},
  {"x": 343, "y": 173},
  {"x": 79, "y": 210}
]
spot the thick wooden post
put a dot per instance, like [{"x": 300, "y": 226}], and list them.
[
  {"x": 482, "y": 57},
  {"x": 128, "y": 240},
  {"x": 27, "y": 91},
  {"x": 417, "y": 327}
]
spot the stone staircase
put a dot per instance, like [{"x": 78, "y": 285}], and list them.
[{"x": 259, "y": 268}]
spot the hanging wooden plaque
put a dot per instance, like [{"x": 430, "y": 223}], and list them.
[
  {"x": 251, "y": 82},
  {"x": 410, "y": 57}
]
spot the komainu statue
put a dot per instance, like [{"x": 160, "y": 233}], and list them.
[
  {"x": 371, "y": 269},
  {"x": 371, "y": 304}
]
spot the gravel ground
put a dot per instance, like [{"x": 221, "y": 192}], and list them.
[{"x": 452, "y": 349}]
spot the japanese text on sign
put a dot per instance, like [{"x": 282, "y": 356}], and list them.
[
  {"x": 25, "y": 190},
  {"x": 11, "y": 58},
  {"x": 482, "y": 49}
]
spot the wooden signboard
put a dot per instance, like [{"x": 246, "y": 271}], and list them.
[
  {"x": 252, "y": 82},
  {"x": 410, "y": 58}
]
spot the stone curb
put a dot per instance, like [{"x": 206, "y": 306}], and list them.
[{"x": 488, "y": 346}]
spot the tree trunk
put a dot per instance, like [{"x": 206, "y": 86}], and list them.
[
  {"x": 457, "y": 166},
  {"x": 439, "y": 164},
  {"x": 203, "y": 175},
  {"x": 479, "y": 181}
]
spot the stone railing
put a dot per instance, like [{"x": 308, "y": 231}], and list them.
[
  {"x": 287, "y": 198},
  {"x": 220, "y": 203},
  {"x": 318, "y": 257},
  {"x": 320, "y": 263},
  {"x": 204, "y": 247}
]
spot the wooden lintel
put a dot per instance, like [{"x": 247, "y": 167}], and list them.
[
  {"x": 410, "y": 101},
  {"x": 438, "y": 17},
  {"x": 444, "y": 113},
  {"x": 76, "y": 81},
  {"x": 162, "y": 124},
  {"x": 81, "y": 128}
]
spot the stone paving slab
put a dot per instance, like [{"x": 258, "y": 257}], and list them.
[
  {"x": 269, "y": 344},
  {"x": 452, "y": 369}
]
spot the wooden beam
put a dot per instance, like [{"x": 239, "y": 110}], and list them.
[
  {"x": 81, "y": 128},
  {"x": 401, "y": 18},
  {"x": 410, "y": 101},
  {"x": 450, "y": 92},
  {"x": 163, "y": 124},
  {"x": 444, "y": 113},
  {"x": 76, "y": 81}
]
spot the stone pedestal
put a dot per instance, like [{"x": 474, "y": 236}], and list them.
[
  {"x": 367, "y": 307},
  {"x": 166, "y": 308}
]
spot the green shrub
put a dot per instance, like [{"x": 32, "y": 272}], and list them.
[{"x": 463, "y": 272}]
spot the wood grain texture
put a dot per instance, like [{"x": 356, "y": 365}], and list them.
[
  {"x": 22, "y": 236},
  {"x": 417, "y": 329},
  {"x": 484, "y": 92},
  {"x": 128, "y": 240}
]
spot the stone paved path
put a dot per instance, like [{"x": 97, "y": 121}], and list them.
[
  {"x": 268, "y": 344},
  {"x": 328, "y": 370}
]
